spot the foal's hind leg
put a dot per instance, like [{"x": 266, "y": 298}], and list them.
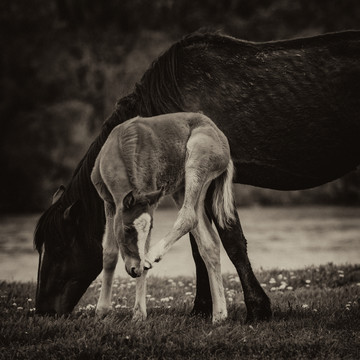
[
  {"x": 233, "y": 239},
  {"x": 208, "y": 243},
  {"x": 206, "y": 160}
]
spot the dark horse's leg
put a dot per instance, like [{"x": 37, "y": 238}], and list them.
[
  {"x": 234, "y": 242},
  {"x": 202, "y": 303}
]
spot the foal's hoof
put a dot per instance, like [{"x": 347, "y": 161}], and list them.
[
  {"x": 147, "y": 265},
  {"x": 139, "y": 316},
  {"x": 102, "y": 312},
  {"x": 219, "y": 317}
]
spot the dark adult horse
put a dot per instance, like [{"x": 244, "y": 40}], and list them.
[{"x": 290, "y": 110}]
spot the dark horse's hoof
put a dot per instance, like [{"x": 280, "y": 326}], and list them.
[
  {"x": 202, "y": 309},
  {"x": 258, "y": 311}
]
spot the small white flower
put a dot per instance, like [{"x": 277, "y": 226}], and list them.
[
  {"x": 308, "y": 281},
  {"x": 272, "y": 281},
  {"x": 290, "y": 288},
  {"x": 305, "y": 306}
]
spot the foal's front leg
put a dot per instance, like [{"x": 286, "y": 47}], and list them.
[
  {"x": 139, "y": 311},
  {"x": 185, "y": 222},
  {"x": 110, "y": 258}
]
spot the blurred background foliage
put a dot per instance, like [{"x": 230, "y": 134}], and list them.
[{"x": 64, "y": 63}]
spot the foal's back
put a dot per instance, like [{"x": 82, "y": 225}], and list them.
[{"x": 154, "y": 149}]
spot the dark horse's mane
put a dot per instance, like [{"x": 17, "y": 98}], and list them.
[{"x": 156, "y": 93}]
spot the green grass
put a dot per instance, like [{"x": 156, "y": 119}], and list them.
[{"x": 316, "y": 316}]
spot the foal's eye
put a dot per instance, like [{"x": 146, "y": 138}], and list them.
[{"x": 129, "y": 230}]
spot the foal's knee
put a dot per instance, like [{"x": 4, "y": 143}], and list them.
[
  {"x": 187, "y": 220},
  {"x": 110, "y": 258}
]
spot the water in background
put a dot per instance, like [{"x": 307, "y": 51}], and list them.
[{"x": 278, "y": 237}]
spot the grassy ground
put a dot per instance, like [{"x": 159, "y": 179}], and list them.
[{"x": 316, "y": 315}]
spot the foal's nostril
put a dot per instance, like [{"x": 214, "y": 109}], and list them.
[{"x": 133, "y": 272}]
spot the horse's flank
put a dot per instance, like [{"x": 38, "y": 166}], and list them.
[{"x": 290, "y": 109}]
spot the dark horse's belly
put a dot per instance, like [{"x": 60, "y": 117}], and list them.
[{"x": 291, "y": 110}]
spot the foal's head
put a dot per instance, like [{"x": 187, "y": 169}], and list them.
[{"x": 138, "y": 219}]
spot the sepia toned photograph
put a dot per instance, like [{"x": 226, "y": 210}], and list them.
[{"x": 180, "y": 179}]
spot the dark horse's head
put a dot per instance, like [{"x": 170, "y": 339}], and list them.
[{"x": 67, "y": 262}]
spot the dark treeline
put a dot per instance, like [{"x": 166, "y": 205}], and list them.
[{"x": 64, "y": 63}]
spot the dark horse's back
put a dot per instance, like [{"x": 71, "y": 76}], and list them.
[{"x": 290, "y": 109}]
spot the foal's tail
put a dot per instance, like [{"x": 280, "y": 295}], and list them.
[{"x": 223, "y": 198}]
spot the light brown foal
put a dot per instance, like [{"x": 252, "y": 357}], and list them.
[{"x": 144, "y": 159}]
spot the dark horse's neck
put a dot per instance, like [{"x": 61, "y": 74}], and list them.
[{"x": 81, "y": 187}]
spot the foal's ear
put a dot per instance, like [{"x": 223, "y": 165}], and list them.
[
  {"x": 154, "y": 197},
  {"x": 129, "y": 200},
  {"x": 58, "y": 194},
  {"x": 72, "y": 212}
]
